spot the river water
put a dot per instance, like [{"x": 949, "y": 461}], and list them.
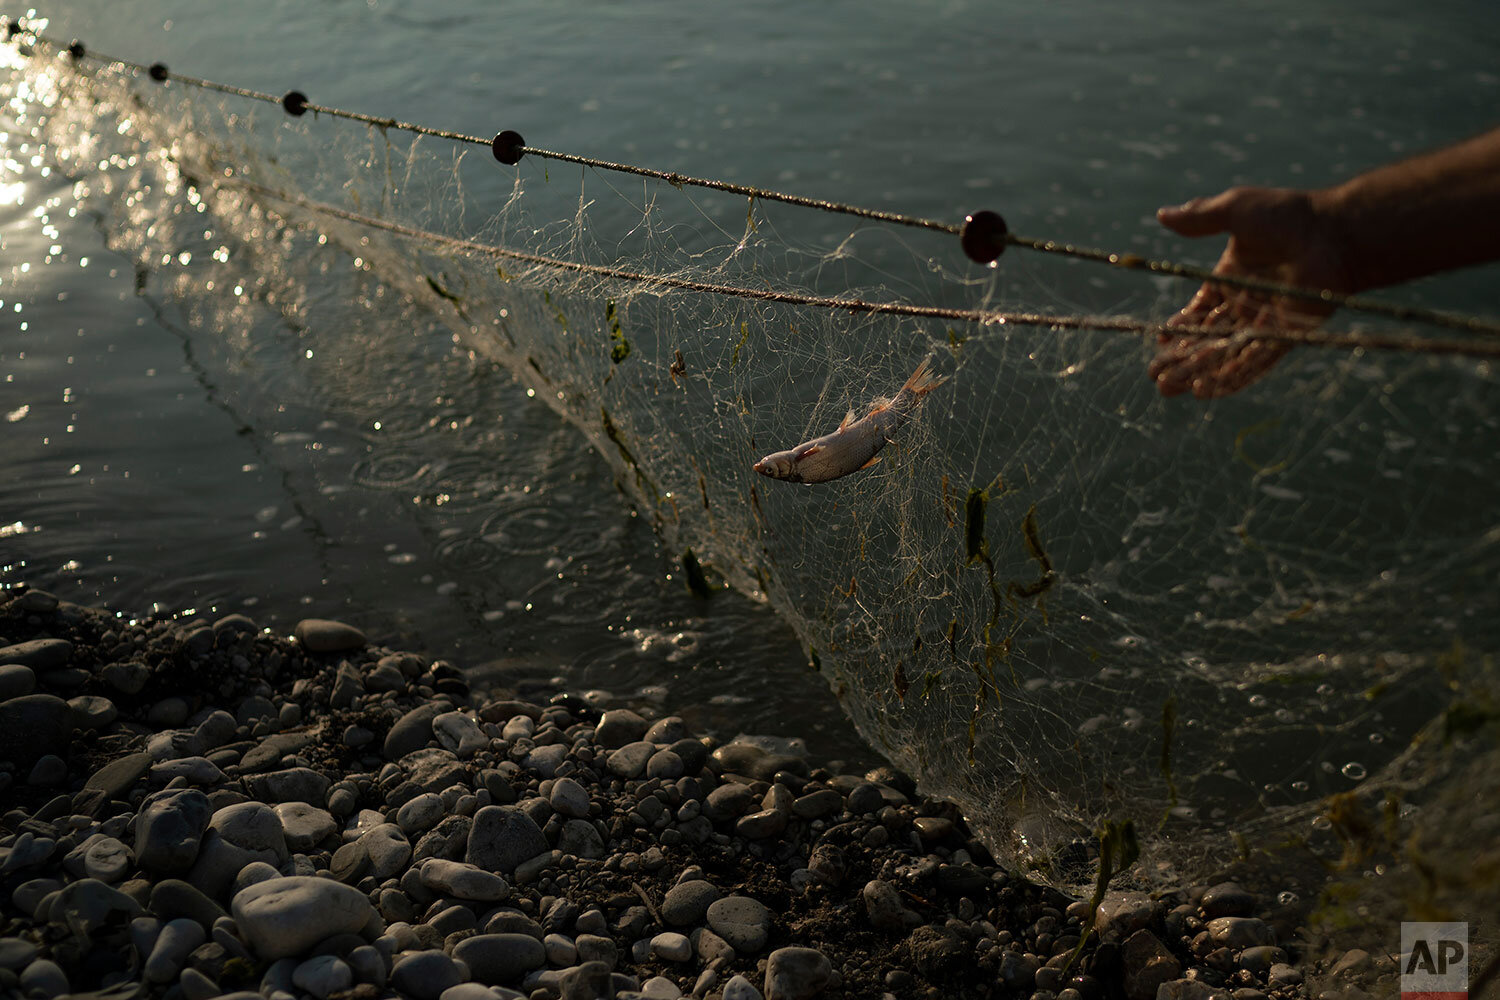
[{"x": 156, "y": 463}]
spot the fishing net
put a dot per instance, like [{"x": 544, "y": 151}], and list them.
[{"x": 1058, "y": 599}]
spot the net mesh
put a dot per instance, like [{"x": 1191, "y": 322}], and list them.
[{"x": 1057, "y": 599}]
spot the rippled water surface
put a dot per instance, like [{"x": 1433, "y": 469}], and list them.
[{"x": 153, "y": 462}]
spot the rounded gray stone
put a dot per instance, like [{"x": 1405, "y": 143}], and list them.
[
  {"x": 797, "y": 973},
  {"x": 744, "y": 922},
  {"x": 618, "y": 727},
  {"x": 283, "y": 917},
  {"x": 43, "y": 977},
  {"x": 412, "y": 731},
  {"x": 569, "y": 798},
  {"x": 463, "y": 881},
  {"x": 421, "y": 813},
  {"x": 687, "y": 903},
  {"x": 304, "y": 826},
  {"x": 425, "y": 975},
  {"x": 629, "y": 761},
  {"x": 323, "y": 635},
  {"x": 502, "y": 838},
  {"x": 883, "y": 905},
  {"x": 16, "y": 953},
  {"x": 323, "y": 975},
  {"x": 500, "y": 959}
]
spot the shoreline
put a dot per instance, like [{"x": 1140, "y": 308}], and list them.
[{"x": 194, "y": 809}]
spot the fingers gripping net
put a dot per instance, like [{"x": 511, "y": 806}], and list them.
[{"x": 1057, "y": 598}]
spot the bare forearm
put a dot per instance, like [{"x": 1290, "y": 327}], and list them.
[{"x": 1434, "y": 212}]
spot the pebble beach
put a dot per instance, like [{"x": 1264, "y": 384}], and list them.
[{"x": 192, "y": 808}]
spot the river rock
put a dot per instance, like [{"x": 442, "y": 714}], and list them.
[
  {"x": 33, "y": 726},
  {"x": 16, "y": 679},
  {"x": 283, "y": 917},
  {"x": 173, "y": 898},
  {"x": 16, "y": 953},
  {"x": 40, "y": 655},
  {"x": 796, "y": 973},
  {"x": 174, "y": 943},
  {"x": 412, "y": 731},
  {"x": 43, "y": 978},
  {"x": 1148, "y": 964},
  {"x": 744, "y": 922},
  {"x": 463, "y": 881},
  {"x": 293, "y": 784},
  {"x": 323, "y": 635},
  {"x": 107, "y": 859},
  {"x": 883, "y": 905},
  {"x": 236, "y": 836},
  {"x": 581, "y": 839},
  {"x": 169, "y": 829},
  {"x": 388, "y": 850},
  {"x": 304, "y": 826},
  {"x": 687, "y": 902},
  {"x": 421, "y": 813},
  {"x": 672, "y": 946},
  {"x": 426, "y": 975},
  {"x": 740, "y": 988},
  {"x": 630, "y": 760},
  {"x": 499, "y": 959},
  {"x": 1240, "y": 932},
  {"x": 1227, "y": 899},
  {"x": 618, "y": 727},
  {"x": 115, "y": 779},
  {"x": 323, "y": 975},
  {"x": 569, "y": 798},
  {"x": 88, "y": 904},
  {"x": 459, "y": 734},
  {"x": 502, "y": 838}
]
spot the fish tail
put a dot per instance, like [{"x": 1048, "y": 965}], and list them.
[{"x": 923, "y": 380}]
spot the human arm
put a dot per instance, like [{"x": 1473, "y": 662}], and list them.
[{"x": 1430, "y": 213}]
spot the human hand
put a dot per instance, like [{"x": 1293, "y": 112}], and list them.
[{"x": 1275, "y": 234}]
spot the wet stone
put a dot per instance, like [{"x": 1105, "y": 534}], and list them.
[
  {"x": 618, "y": 727},
  {"x": 323, "y": 635},
  {"x": 169, "y": 829},
  {"x": 1148, "y": 964},
  {"x": 1227, "y": 899},
  {"x": 1240, "y": 932}
]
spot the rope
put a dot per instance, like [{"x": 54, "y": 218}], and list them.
[
  {"x": 1483, "y": 348},
  {"x": 994, "y": 235}
]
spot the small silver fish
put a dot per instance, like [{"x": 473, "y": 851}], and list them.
[{"x": 856, "y": 443}]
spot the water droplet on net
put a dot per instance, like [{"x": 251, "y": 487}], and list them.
[{"x": 1354, "y": 771}]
